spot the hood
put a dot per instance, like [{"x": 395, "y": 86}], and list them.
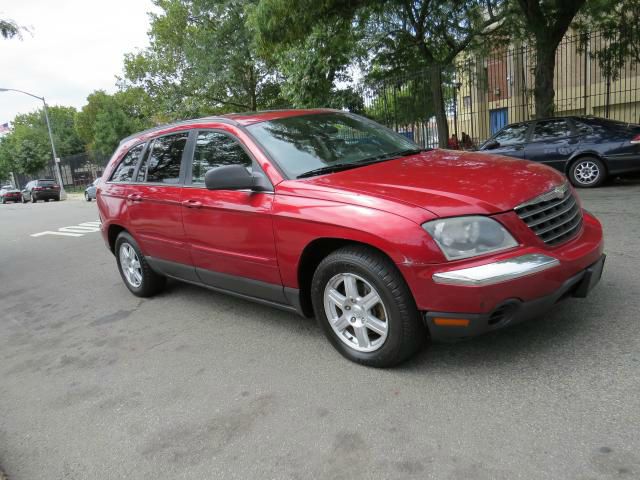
[{"x": 447, "y": 183}]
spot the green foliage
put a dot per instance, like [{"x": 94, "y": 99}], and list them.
[
  {"x": 9, "y": 29},
  {"x": 202, "y": 60},
  {"x": 107, "y": 119},
  {"x": 401, "y": 103},
  {"x": 617, "y": 21},
  {"x": 27, "y": 149},
  {"x": 388, "y": 37}
]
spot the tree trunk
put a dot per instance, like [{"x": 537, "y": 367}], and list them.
[
  {"x": 544, "y": 74},
  {"x": 435, "y": 83}
]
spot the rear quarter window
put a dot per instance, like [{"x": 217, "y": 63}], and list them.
[{"x": 126, "y": 167}]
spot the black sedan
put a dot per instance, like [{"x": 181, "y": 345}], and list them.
[{"x": 586, "y": 149}]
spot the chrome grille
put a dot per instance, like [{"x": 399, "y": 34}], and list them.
[{"x": 554, "y": 216}]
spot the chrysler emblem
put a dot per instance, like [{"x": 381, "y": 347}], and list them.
[{"x": 560, "y": 191}]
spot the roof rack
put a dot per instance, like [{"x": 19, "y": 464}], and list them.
[{"x": 176, "y": 124}]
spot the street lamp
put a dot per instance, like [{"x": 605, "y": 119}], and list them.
[{"x": 56, "y": 165}]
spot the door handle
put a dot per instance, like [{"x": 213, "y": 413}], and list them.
[
  {"x": 134, "y": 197},
  {"x": 192, "y": 204}
]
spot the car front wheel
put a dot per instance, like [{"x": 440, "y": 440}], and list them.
[
  {"x": 587, "y": 172},
  {"x": 365, "y": 308},
  {"x": 87, "y": 197},
  {"x": 136, "y": 273}
]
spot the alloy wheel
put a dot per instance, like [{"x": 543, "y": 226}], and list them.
[
  {"x": 356, "y": 312},
  {"x": 130, "y": 264},
  {"x": 587, "y": 172}
]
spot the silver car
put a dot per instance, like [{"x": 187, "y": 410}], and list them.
[{"x": 90, "y": 191}]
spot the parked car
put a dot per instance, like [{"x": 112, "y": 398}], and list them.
[
  {"x": 43, "y": 189},
  {"x": 326, "y": 213},
  {"x": 9, "y": 194},
  {"x": 90, "y": 191},
  {"x": 586, "y": 149}
]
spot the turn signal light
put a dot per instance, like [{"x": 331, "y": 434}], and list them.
[{"x": 451, "y": 322}]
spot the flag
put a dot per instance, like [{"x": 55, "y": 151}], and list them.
[{"x": 4, "y": 128}]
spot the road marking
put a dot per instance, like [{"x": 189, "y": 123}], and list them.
[{"x": 72, "y": 231}]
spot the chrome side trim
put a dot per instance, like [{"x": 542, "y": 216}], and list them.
[{"x": 497, "y": 272}]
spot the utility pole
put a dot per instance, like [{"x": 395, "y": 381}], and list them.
[{"x": 56, "y": 164}]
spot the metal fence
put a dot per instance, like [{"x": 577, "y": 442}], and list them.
[
  {"x": 77, "y": 171},
  {"x": 481, "y": 94}
]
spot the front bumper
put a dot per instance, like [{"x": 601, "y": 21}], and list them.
[{"x": 449, "y": 326}]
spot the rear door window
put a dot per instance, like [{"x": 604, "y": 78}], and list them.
[
  {"x": 126, "y": 167},
  {"x": 165, "y": 159}
]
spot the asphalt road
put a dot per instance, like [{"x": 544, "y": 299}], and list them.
[{"x": 98, "y": 384}]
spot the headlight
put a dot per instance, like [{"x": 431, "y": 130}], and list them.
[{"x": 463, "y": 237}]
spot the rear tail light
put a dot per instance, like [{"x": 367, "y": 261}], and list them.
[
  {"x": 56, "y": 186},
  {"x": 636, "y": 139},
  {"x": 37, "y": 188}
]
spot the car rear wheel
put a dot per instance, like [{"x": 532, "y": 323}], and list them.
[
  {"x": 87, "y": 197},
  {"x": 33, "y": 199},
  {"x": 136, "y": 273},
  {"x": 587, "y": 172},
  {"x": 365, "y": 308}
]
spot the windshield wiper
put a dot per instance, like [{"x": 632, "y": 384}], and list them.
[
  {"x": 360, "y": 163},
  {"x": 328, "y": 169},
  {"x": 389, "y": 156}
]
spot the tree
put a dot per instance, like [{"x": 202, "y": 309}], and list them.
[
  {"x": 620, "y": 30},
  {"x": 107, "y": 119},
  {"x": 27, "y": 149},
  {"x": 394, "y": 33},
  {"x": 9, "y": 29},
  {"x": 547, "y": 21},
  {"x": 201, "y": 60}
]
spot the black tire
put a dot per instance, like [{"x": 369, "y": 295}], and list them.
[
  {"x": 23, "y": 200},
  {"x": 406, "y": 332},
  {"x": 33, "y": 199},
  {"x": 87, "y": 197},
  {"x": 590, "y": 164},
  {"x": 152, "y": 283},
  {"x": 2, "y": 201},
  {"x": 56, "y": 199}
]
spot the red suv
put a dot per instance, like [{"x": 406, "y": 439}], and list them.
[{"x": 326, "y": 213}]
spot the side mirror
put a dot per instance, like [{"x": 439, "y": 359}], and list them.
[
  {"x": 490, "y": 145},
  {"x": 235, "y": 177}
]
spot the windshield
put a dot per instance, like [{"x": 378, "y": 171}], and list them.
[{"x": 307, "y": 143}]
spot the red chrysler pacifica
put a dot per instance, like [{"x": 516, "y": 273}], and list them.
[{"x": 326, "y": 213}]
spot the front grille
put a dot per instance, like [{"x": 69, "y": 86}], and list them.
[{"x": 554, "y": 217}]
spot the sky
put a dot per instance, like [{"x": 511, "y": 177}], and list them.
[{"x": 73, "y": 48}]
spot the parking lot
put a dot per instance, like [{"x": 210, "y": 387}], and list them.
[{"x": 98, "y": 384}]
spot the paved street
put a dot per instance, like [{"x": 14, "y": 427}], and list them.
[{"x": 98, "y": 384}]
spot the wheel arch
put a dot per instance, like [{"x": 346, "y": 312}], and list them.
[
  {"x": 112, "y": 234},
  {"x": 580, "y": 155},
  {"x": 312, "y": 254}
]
